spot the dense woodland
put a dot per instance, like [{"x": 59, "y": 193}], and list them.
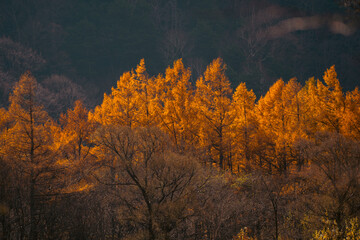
[
  {"x": 202, "y": 150},
  {"x": 162, "y": 158}
]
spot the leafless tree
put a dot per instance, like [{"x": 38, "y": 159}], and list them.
[
  {"x": 58, "y": 93},
  {"x": 156, "y": 185},
  {"x": 333, "y": 178},
  {"x": 15, "y": 59}
]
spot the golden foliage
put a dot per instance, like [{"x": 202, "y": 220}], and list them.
[
  {"x": 131, "y": 103},
  {"x": 213, "y": 105},
  {"x": 133, "y": 140},
  {"x": 232, "y": 131},
  {"x": 174, "y": 104},
  {"x": 243, "y": 129}
]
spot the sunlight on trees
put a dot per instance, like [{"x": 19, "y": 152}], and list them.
[
  {"x": 162, "y": 159},
  {"x": 213, "y": 103}
]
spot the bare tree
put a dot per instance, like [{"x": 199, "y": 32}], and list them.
[
  {"x": 175, "y": 45},
  {"x": 154, "y": 186},
  {"x": 15, "y": 59},
  {"x": 333, "y": 178},
  {"x": 253, "y": 37},
  {"x": 58, "y": 93}
]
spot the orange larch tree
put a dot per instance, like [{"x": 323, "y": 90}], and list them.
[
  {"x": 7, "y": 194},
  {"x": 279, "y": 114},
  {"x": 213, "y": 105},
  {"x": 73, "y": 146},
  {"x": 244, "y": 127},
  {"x": 329, "y": 105},
  {"x": 29, "y": 149},
  {"x": 175, "y": 109},
  {"x": 131, "y": 103},
  {"x": 308, "y": 94},
  {"x": 120, "y": 106},
  {"x": 351, "y": 118},
  {"x": 270, "y": 114}
]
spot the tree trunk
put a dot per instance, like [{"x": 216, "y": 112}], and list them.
[{"x": 33, "y": 230}]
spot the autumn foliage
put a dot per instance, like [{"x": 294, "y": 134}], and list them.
[{"x": 155, "y": 156}]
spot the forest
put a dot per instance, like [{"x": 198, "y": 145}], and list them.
[
  {"x": 163, "y": 158},
  {"x": 237, "y": 127}
]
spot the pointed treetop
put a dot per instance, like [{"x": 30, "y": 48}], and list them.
[
  {"x": 141, "y": 69},
  {"x": 24, "y": 90},
  {"x": 330, "y": 78}
]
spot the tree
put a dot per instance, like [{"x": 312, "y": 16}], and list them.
[
  {"x": 213, "y": 104},
  {"x": 270, "y": 114},
  {"x": 351, "y": 118},
  {"x": 59, "y": 93},
  {"x": 14, "y": 60},
  {"x": 280, "y": 117},
  {"x": 253, "y": 40},
  {"x": 73, "y": 146},
  {"x": 28, "y": 150},
  {"x": 325, "y": 102},
  {"x": 266, "y": 203},
  {"x": 332, "y": 99},
  {"x": 7, "y": 196},
  {"x": 332, "y": 179},
  {"x": 174, "y": 105},
  {"x": 131, "y": 102},
  {"x": 158, "y": 185},
  {"x": 244, "y": 126},
  {"x": 77, "y": 130},
  {"x": 218, "y": 208}
]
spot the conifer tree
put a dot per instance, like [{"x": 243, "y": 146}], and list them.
[
  {"x": 308, "y": 94},
  {"x": 131, "y": 103},
  {"x": 213, "y": 105},
  {"x": 244, "y": 127},
  {"x": 76, "y": 131},
  {"x": 7, "y": 195},
  {"x": 328, "y": 102},
  {"x": 175, "y": 97},
  {"x": 351, "y": 118},
  {"x": 279, "y": 114},
  {"x": 146, "y": 96},
  {"x": 29, "y": 149},
  {"x": 73, "y": 146}
]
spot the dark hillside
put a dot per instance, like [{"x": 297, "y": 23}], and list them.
[{"x": 94, "y": 42}]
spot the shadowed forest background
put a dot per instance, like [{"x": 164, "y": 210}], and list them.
[
  {"x": 239, "y": 125},
  {"x": 91, "y": 43}
]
